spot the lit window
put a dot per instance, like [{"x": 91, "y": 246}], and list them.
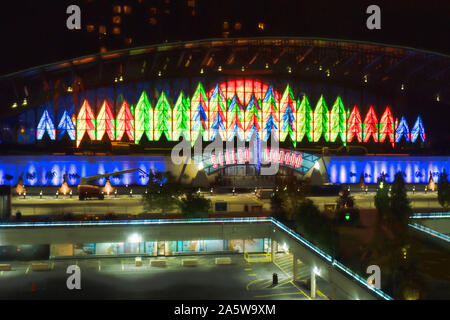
[
  {"x": 237, "y": 26},
  {"x": 127, "y": 9},
  {"x": 102, "y": 29},
  {"x": 116, "y": 30},
  {"x": 90, "y": 27},
  {"x": 191, "y": 3},
  {"x": 116, "y": 19},
  {"x": 129, "y": 41},
  {"x": 153, "y": 21},
  {"x": 117, "y": 9},
  {"x": 153, "y": 11},
  {"x": 103, "y": 49},
  {"x": 261, "y": 26},
  {"x": 225, "y": 25}
]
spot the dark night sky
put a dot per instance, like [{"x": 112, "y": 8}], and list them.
[{"x": 34, "y": 32}]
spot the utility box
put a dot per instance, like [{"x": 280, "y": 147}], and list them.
[{"x": 5, "y": 203}]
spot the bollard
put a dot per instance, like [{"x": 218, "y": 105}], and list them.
[
  {"x": 57, "y": 193},
  {"x": 24, "y": 194},
  {"x": 40, "y": 194},
  {"x": 131, "y": 193},
  {"x": 274, "y": 279},
  {"x": 115, "y": 193},
  {"x": 70, "y": 194}
]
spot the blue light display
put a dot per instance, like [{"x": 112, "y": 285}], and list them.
[
  {"x": 415, "y": 169},
  {"x": 48, "y": 170}
]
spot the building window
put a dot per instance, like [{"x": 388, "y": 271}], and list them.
[
  {"x": 90, "y": 28},
  {"x": 127, "y": 9},
  {"x": 237, "y": 26},
  {"x": 117, "y": 9},
  {"x": 102, "y": 49},
  {"x": 225, "y": 25},
  {"x": 116, "y": 30},
  {"x": 261, "y": 26},
  {"x": 102, "y": 29},
  {"x": 191, "y": 3},
  {"x": 153, "y": 11},
  {"x": 116, "y": 19},
  {"x": 152, "y": 21}
]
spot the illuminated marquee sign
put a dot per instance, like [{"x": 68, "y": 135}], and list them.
[{"x": 243, "y": 155}]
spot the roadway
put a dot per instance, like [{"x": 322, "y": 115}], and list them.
[{"x": 124, "y": 204}]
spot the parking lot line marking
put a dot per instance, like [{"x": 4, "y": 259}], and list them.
[
  {"x": 321, "y": 294},
  {"x": 252, "y": 282},
  {"x": 28, "y": 269},
  {"x": 53, "y": 265},
  {"x": 292, "y": 282},
  {"x": 99, "y": 266},
  {"x": 121, "y": 261},
  {"x": 252, "y": 274},
  {"x": 276, "y": 294},
  {"x": 247, "y": 269}
]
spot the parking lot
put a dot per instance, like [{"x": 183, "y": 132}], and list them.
[{"x": 120, "y": 278}]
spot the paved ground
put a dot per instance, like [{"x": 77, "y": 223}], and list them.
[
  {"x": 119, "y": 278},
  {"x": 123, "y": 204}
]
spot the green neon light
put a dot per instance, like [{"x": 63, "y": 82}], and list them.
[
  {"x": 338, "y": 121},
  {"x": 304, "y": 119},
  {"x": 162, "y": 118},
  {"x": 320, "y": 120},
  {"x": 181, "y": 117},
  {"x": 143, "y": 115}
]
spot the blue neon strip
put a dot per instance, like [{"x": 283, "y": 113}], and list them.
[
  {"x": 430, "y": 231},
  {"x": 296, "y": 236},
  {"x": 431, "y": 215},
  {"x": 132, "y": 222}
]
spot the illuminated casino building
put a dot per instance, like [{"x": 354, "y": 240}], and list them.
[{"x": 326, "y": 100}]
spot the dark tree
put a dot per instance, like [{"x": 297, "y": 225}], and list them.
[
  {"x": 316, "y": 227},
  {"x": 382, "y": 198},
  {"x": 345, "y": 200},
  {"x": 443, "y": 190},
  {"x": 163, "y": 192},
  {"x": 400, "y": 207},
  {"x": 195, "y": 206}
]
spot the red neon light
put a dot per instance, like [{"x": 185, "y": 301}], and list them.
[
  {"x": 240, "y": 155},
  {"x": 227, "y": 157},
  {"x": 247, "y": 154},
  {"x": 370, "y": 126},
  {"x": 220, "y": 155},
  {"x": 214, "y": 160},
  {"x": 281, "y": 159},
  {"x": 287, "y": 157},
  {"x": 293, "y": 158},
  {"x": 354, "y": 125},
  {"x": 267, "y": 155},
  {"x": 299, "y": 161}
]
